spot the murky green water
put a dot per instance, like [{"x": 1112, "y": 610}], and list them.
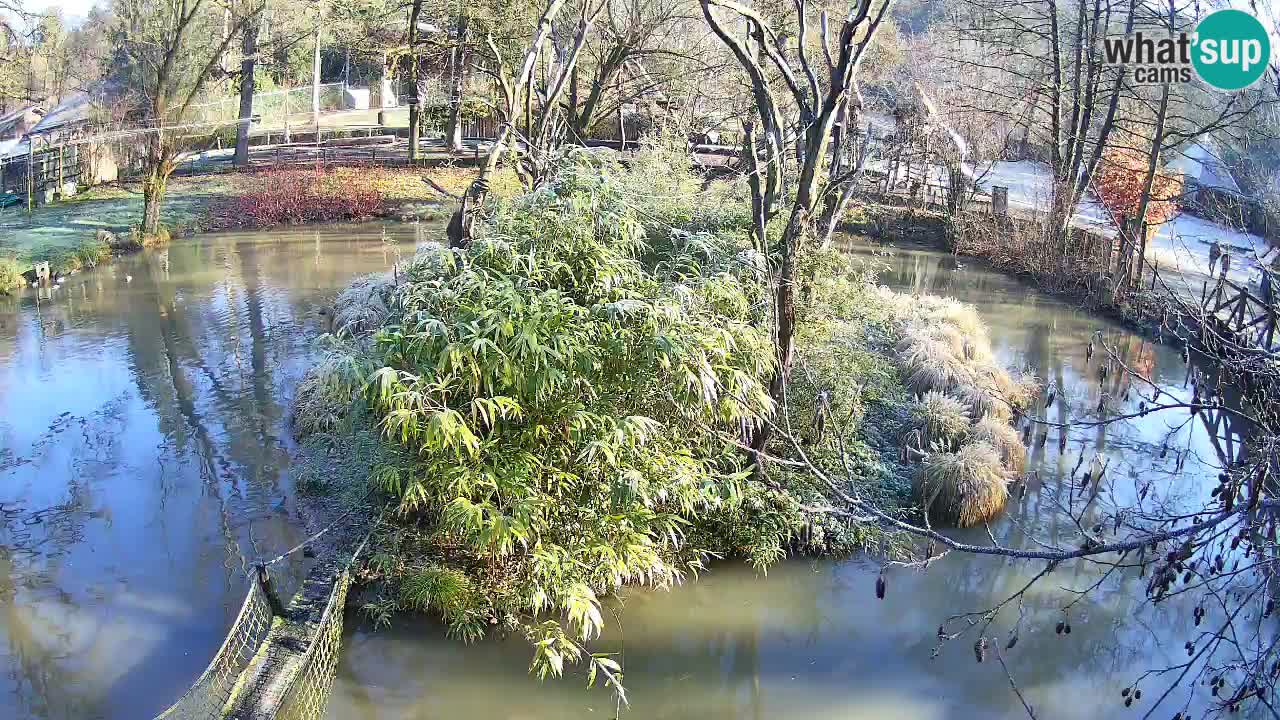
[
  {"x": 144, "y": 458},
  {"x": 810, "y": 640}
]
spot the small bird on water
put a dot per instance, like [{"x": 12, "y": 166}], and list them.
[{"x": 128, "y": 278}]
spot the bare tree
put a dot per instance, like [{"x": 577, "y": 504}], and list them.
[
  {"x": 809, "y": 118},
  {"x": 173, "y": 51},
  {"x": 530, "y": 107},
  {"x": 459, "y": 62},
  {"x": 641, "y": 47}
]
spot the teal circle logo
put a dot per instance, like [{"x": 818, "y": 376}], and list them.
[{"x": 1232, "y": 49}]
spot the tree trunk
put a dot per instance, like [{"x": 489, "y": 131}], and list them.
[
  {"x": 156, "y": 169},
  {"x": 248, "y": 65},
  {"x": 415, "y": 105},
  {"x": 1153, "y": 162},
  {"x": 461, "y": 57},
  {"x": 153, "y": 187}
]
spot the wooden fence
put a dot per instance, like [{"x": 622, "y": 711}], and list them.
[
  {"x": 41, "y": 175},
  {"x": 1249, "y": 319}
]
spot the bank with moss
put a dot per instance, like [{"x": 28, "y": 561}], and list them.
[{"x": 80, "y": 232}]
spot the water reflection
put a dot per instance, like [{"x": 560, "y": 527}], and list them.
[
  {"x": 144, "y": 456},
  {"x": 811, "y": 641}
]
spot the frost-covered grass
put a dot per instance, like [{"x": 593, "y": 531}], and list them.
[
  {"x": 962, "y": 418},
  {"x": 67, "y": 224}
]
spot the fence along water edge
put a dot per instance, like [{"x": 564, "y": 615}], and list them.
[{"x": 276, "y": 662}]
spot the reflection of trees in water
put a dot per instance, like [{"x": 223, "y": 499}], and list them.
[
  {"x": 34, "y": 545},
  {"x": 204, "y": 356},
  {"x": 208, "y": 333},
  {"x": 39, "y": 682}
]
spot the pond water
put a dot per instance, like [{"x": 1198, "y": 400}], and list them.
[
  {"x": 810, "y": 640},
  {"x": 144, "y": 458}
]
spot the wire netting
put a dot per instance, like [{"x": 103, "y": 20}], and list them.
[
  {"x": 208, "y": 696},
  {"x": 271, "y": 109},
  {"x": 309, "y": 689}
]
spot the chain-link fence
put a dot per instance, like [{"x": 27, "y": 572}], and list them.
[
  {"x": 208, "y": 696},
  {"x": 274, "y": 109},
  {"x": 277, "y": 663}
]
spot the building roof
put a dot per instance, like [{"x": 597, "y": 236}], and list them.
[
  {"x": 79, "y": 107},
  {"x": 1200, "y": 164},
  {"x": 9, "y": 148},
  {"x": 13, "y": 118},
  {"x": 74, "y": 109}
]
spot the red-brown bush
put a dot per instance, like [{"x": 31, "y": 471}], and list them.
[
  {"x": 287, "y": 196},
  {"x": 1119, "y": 181}
]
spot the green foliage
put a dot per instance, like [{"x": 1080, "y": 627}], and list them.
[
  {"x": 435, "y": 117},
  {"x": 92, "y": 252},
  {"x": 330, "y": 388},
  {"x": 449, "y": 592},
  {"x": 564, "y": 406},
  {"x": 61, "y": 259},
  {"x": 668, "y": 194},
  {"x": 10, "y": 275}
]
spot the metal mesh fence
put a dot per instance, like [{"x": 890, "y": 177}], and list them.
[
  {"x": 275, "y": 108},
  {"x": 209, "y": 694},
  {"x": 308, "y": 691}
]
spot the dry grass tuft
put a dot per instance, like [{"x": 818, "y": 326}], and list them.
[
  {"x": 942, "y": 420},
  {"x": 930, "y": 365},
  {"x": 984, "y": 396},
  {"x": 948, "y": 335},
  {"x": 935, "y": 309},
  {"x": 998, "y": 433},
  {"x": 944, "y": 353},
  {"x": 964, "y": 488}
]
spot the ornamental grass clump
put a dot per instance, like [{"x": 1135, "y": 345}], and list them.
[
  {"x": 942, "y": 420},
  {"x": 945, "y": 355},
  {"x": 929, "y": 364},
  {"x": 999, "y": 434},
  {"x": 963, "y": 488}
]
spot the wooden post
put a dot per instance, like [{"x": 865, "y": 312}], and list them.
[
  {"x": 287, "y": 137},
  {"x": 31, "y": 175},
  {"x": 269, "y": 589},
  {"x": 999, "y": 200}
]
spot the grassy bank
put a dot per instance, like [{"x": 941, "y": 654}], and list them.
[{"x": 65, "y": 233}]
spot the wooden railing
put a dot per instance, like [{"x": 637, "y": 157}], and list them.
[{"x": 1248, "y": 318}]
